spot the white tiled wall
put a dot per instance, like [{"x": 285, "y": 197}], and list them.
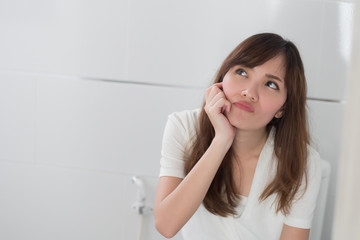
[
  {"x": 82, "y": 38},
  {"x": 105, "y": 125},
  {"x": 52, "y": 202},
  {"x": 69, "y": 149},
  {"x": 70, "y": 142},
  {"x": 335, "y": 49},
  {"x": 185, "y": 41},
  {"x": 17, "y": 128}
]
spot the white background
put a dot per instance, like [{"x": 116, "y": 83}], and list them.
[{"x": 86, "y": 87}]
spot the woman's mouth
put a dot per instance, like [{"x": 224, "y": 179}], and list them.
[{"x": 244, "y": 106}]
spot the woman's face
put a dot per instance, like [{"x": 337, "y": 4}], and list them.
[{"x": 257, "y": 94}]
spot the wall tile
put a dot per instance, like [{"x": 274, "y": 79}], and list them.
[
  {"x": 71, "y": 204},
  {"x": 47, "y": 202},
  {"x": 347, "y": 1},
  {"x": 184, "y": 42},
  {"x": 199, "y": 42},
  {"x": 297, "y": 21},
  {"x": 17, "y": 121},
  {"x": 106, "y": 125},
  {"x": 82, "y": 38},
  {"x": 335, "y": 51}
]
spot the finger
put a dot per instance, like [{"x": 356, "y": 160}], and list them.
[
  {"x": 218, "y": 96},
  {"x": 215, "y": 85},
  {"x": 218, "y": 106},
  {"x": 212, "y": 93},
  {"x": 208, "y": 90},
  {"x": 227, "y": 106},
  {"x": 219, "y": 84},
  {"x": 213, "y": 90}
]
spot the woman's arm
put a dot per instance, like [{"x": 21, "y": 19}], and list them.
[
  {"x": 293, "y": 233},
  {"x": 177, "y": 199}
]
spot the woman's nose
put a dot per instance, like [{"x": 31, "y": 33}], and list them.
[{"x": 250, "y": 93}]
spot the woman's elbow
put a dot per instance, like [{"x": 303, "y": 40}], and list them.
[{"x": 164, "y": 228}]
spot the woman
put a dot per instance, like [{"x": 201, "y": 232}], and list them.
[{"x": 241, "y": 167}]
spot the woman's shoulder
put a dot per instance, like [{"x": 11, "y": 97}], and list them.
[
  {"x": 186, "y": 119},
  {"x": 312, "y": 152},
  {"x": 182, "y": 126},
  {"x": 186, "y": 114}
]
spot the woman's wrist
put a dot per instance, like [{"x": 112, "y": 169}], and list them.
[{"x": 222, "y": 142}]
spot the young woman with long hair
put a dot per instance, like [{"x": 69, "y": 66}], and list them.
[{"x": 242, "y": 167}]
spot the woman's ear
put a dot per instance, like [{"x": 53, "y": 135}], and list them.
[{"x": 279, "y": 114}]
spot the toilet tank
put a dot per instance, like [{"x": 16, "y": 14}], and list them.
[{"x": 317, "y": 223}]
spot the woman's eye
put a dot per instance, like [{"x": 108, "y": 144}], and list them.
[
  {"x": 241, "y": 72},
  {"x": 272, "y": 85}
]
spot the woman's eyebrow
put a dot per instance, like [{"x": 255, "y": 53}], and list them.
[{"x": 273, "y": 77}]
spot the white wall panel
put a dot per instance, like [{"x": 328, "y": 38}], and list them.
[
  {"x": 326, "y": 121},
  {"x": 184, "y": 42},
  {"x": 300, "y": 22},
  {"x": 50, "y": 202},
  {"x": 335, "y": 51},
  {"x": 46, "y": 202},
  {"x": 105, "y": 125},
  {"x": 82, "y": 38},
  {"x": 17, "y": 121}
]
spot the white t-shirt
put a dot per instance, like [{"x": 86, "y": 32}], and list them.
[{"x": 255, "y": 220}]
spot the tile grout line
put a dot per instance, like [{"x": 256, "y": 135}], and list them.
[{"x": 143, "y": 83}]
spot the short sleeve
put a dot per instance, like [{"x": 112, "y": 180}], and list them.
[
  {"x": 177, "y": 138},
  {"x": 303, "y": 208}
]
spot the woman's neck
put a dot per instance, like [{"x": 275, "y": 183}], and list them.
[{"x": 248, "y": 144}]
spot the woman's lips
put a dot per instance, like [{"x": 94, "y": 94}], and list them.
[{"x": 244, "y": 106}]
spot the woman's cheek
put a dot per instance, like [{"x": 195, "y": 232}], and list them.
[{"x": 226, "y": 89}]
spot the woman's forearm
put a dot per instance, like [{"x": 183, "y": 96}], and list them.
[{"x": 177, "y": 202}]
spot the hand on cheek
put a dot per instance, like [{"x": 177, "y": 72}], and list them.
[{"x": 216, "y": 107}]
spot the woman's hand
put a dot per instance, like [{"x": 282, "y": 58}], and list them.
[
  {"x": 216, "y": 106},
  {"x": 172, "y": 194}
]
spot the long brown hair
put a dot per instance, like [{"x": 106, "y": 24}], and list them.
[{"x": 291, "y": 137}]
